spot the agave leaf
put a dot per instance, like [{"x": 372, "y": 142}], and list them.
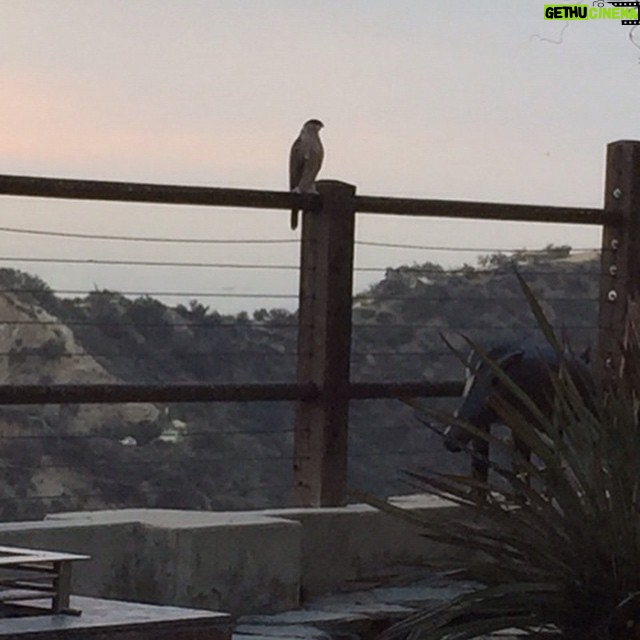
[
  {"x": 543, "y": 512},
  {"x": 560, "y": 556},
  {"x": 445, "y": 417},
  {"x": 509, "y": 540},
  {"x": 562, "y": 462},
  {"x": 451, "y": 530},
  {"x": 475, "y": 628},
  {"x": 387, "y": 507},
  {"x": 493, "y": 441},
  {"x": 578, "y": 424},
  {"x": 567, "y": 393},
  {"x": 554, "y": 472},
  {"x": 539, "y": 314},
  {"x": 470, "y": 615},
  {"x": 525, "y": 432},
  {"x": 428, "y": 621},
  {"x": 551, "y": 522},
  {"x": 462, "y": 357},
  {"x": 510, "y": 385}
]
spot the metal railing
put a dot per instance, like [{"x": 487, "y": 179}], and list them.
[{"x": 324, "y": 389}]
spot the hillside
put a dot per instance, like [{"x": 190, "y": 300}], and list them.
[{"x": 227, "y": 456}]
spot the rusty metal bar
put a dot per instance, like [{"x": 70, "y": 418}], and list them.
[
  {"x": 483, "y": 210},
  {"x": 121, "y": 393},
  {"x": 154, "y": 193},
  {"x": 382, "y": 390},
  {"x": 65, "y": 188}
]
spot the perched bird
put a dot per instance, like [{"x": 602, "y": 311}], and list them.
[{"x": 305, "y": 161}]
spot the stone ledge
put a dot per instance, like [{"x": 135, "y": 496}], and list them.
[{"x": 243, "y": 562}]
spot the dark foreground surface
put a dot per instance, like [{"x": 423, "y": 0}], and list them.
[{"x": 116, "y": 620}]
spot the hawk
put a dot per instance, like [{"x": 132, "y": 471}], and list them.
[{"x": 305, "y": 161}]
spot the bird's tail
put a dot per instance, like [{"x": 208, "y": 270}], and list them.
[{"x": 294, "y": 218}]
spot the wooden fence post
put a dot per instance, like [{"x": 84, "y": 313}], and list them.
[
  {"x": 324, "y": 347},
  {"x": 620, "y": 261}
]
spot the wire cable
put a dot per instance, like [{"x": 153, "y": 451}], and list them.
[
  {"x": 366, "y": 243},
  {"x": 225, "y": 265},
  {"x": 93, "y": 236},
  {"x": 167, "y": 325},
  {"x": 391, "y": 245},
  {"x": 148, "y": 263},
  {"x": 193, "y": 294}
]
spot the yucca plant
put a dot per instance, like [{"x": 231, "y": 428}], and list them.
[{"x": 556, "y": 546}]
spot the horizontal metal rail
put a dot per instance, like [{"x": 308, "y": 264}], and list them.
[
  {"x": 422, "y": 389},
  {"x": 65, "y": 188},
  {"x": 121, "y": 393},
  {"x": 154, "y": 193},
  {"x": 482, "y": 210}
]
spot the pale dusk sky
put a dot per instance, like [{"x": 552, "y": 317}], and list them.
[{"x": 461, "y": 99}]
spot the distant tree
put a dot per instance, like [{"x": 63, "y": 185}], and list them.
[
  {"x": 261, "y": 315},
  {"x": 495, "y": 260},
  {"x": 279, "y": 316},
  {"x": 197, "y": 310},
  {"x": 524, "y": 256},
  {"x": 557, "y": 252}
]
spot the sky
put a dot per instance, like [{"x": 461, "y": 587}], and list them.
[{"x": 464, "y": 100}]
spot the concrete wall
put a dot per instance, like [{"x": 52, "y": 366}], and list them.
[
  {"x": 242, "y": 562},
  {"x": 357, "y": 544}
]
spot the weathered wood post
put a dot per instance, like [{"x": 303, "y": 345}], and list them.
[
  {"x": 324, "y": 347},
  {"x": 620, "y": 261}
]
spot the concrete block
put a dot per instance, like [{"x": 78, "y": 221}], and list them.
[
  {"x": 243, "y": 562},
  {"x": 357, "y": 542},
  {"x": 231, "y": 561},
  {"x": 237, "y": 567}
]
